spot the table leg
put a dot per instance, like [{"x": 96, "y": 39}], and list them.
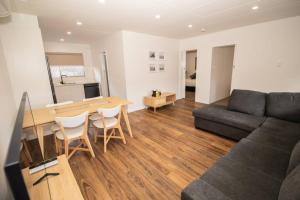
[
  {"x": 125, "y": 115},
  {"x": 40, "y": 135}
]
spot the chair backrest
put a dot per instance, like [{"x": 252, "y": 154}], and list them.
[
  {"x": 94, "y": 98},
  {"x": 72, "y": 122},
  {"x": 109, "y": 112},
  {"x": 59, "y": 104}
]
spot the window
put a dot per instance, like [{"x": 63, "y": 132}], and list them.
[{"x": 69, "y": 70}]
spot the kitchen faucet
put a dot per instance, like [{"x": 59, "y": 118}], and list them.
[{"x": 61, "y": 79}]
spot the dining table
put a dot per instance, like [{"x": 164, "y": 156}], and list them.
[{"x": 40, "y": 117}]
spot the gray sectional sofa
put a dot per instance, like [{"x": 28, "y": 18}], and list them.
[{"x": 265, "y": 163}]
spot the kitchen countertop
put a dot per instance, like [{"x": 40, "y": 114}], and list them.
[{"x": 72, "y": 84}]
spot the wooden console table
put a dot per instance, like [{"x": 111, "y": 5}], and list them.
[
  {"x": 166, "y": 98},
  {"x": 63, "y": 186}
]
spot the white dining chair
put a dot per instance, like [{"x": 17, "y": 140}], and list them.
[
  {"x": 109, "y": 120},
  {"x": 71, "y": 129},
  {"x": 24, "y": 145},
  {"x": 95, "y": 116},
  {"x": 59, "y": 104},
  {"x": 54, "y": 128}
]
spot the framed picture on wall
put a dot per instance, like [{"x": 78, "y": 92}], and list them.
[
  {"x": 152, "y": 55},
  {"x": 152, "y": 67},
  {"x": 161, "y": 67},
  {"x": 161, "y": 56}
]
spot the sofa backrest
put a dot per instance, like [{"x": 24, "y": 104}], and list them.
[
  {"x": 295, "y": 158},
  {"x": 247, "y": 101},
  {"x": 290, "y": 187},
  {"x": 284, "y": 105}
]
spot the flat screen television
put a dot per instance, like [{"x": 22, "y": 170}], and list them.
[{"x": 23, "y": 151}]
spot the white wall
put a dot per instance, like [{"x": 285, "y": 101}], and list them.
[
  {"x": 221, "y": 72},
  {"x": 7, "y": 119},
  {"x": 85, "y": 49},
  {"x": 113, "y": 45},
  {"x": 24, "y": 53},
  {"x": 139, "y": 81},
  {"x": 266, "y": 57},
  {"x": 190, "y": 62}
]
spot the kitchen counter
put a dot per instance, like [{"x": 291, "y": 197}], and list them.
[
  {"x": 70, "y": 91},
  {"x": 70, "y": 84}
]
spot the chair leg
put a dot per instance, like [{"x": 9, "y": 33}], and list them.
[
  {"x": 56, "y": 145},
  {"x": 27, "y": 153},
  {"x": 60, "y": 146},
  {"x": 121, "y": 133},
  {"x": 66, "y": 148},
  {"x": 104, "y": 138},
  {"x": 95, "y": 134},
  {"x": 89, "y": 146}
]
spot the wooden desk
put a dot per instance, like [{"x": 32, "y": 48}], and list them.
[
  {"x": 63, "y": 186},
  {"x": 43, "y": 116}
]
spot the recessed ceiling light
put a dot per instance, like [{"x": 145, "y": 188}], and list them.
[
  {"x": 79, "y": 23},
  {"x": 102, "y": 1},
  {"x": 203, "y": 29},
  {"x": 62, "y": 39},
  {"x": 255, "y": 7},
  {"x": 69, "y": 32},
  {"x": 157, "y": 16},
  {"x": 190, "y": 25}
]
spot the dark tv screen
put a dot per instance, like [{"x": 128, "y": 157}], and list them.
[{"x": 23, "y": 151}]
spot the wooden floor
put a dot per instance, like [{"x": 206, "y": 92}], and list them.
[
  {"x": 165, "y": 154},
  {"x": 190, "y": 95}
]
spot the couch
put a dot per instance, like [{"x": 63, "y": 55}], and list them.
[{"x": 265, "y": 163}]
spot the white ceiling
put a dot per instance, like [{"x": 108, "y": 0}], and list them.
[{"x": 58, "y": 16}]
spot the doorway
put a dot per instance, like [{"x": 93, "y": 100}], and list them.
[
  {"x": 221, "y": 72},
  {"x": 190, "y": 75}
]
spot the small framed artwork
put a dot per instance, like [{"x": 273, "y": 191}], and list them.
[
  {"x": 152, "y": 67},
  {"x": 161, "y": 56},
  {"x": 152, "y": 55},
  {"x": 161, "y": 67}
]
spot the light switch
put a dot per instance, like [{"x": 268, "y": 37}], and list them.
[{"x": 279, "y": 64}]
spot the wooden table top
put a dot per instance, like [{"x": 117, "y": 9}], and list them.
[
  {"x": 63, "y": 186},
  {"x": 47, "y": 115}
]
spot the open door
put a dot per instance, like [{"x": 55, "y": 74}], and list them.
[
  {"x": 190, "y": 75},
  {"x": 221, "y": 72}
]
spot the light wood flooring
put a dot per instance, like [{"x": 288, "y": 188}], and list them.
[{"x": 165, "y": 154}]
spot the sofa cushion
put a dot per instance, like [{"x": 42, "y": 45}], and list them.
[
  {"x": 284, "y": 105},
  {"x": 221, "y": 115},
  {"x": 273, "y": 138},
  {"x": 295, "y": 158},
  {"x": 259, "y": 157},
  {"x": 283, "y": 128},
  {"x": 247, "y": 101},
  {"x": 290, "y": 188},
  {"x": 239, "y": 182},
  {"x": 221, "y": 129}
]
